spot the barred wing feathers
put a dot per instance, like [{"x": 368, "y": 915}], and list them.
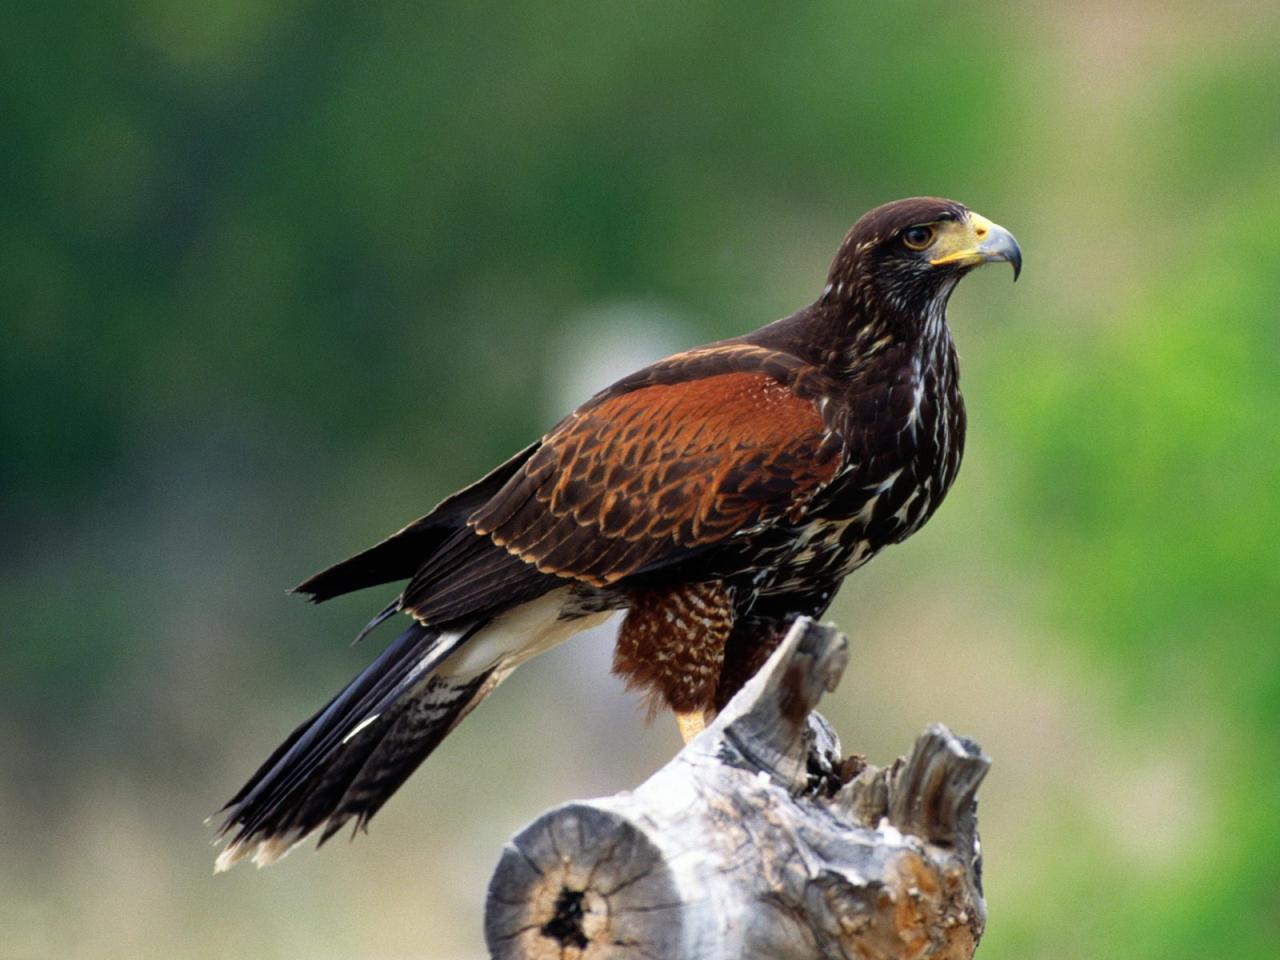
[{"x": 636, "y": 479}]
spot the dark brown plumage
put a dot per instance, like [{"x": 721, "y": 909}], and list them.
[{"x": 715, "y": 495}]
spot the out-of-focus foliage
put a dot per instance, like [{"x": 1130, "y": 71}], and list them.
[{"x": 275, "y": 276}]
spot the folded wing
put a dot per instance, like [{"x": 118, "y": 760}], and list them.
[{"x": 636, "y": 481}]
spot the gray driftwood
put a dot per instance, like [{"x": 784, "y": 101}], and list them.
[{"x": 758, "y": 840}]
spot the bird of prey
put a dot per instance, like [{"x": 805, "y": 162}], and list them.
[{"x": 714, "y": 496}]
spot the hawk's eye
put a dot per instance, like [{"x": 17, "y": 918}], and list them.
[{"x": 917, "y": 238}]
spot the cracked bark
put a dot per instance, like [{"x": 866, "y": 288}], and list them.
[{"x": 759, "y": 839}]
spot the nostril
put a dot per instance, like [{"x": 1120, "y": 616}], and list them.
[{"x": 982, "y": 232}]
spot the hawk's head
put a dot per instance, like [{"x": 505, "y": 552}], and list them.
[{"x": 909, "y": 253}]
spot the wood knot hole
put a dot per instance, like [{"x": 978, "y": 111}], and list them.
[{"x": 565, "y": 925}]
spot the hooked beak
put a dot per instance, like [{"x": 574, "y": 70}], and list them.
[{"x": 983, "y": 242}]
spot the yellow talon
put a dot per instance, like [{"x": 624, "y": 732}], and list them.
[{"x": 691, "y": 724}]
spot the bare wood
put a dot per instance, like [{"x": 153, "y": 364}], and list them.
[{"x": 759, "y": 839}]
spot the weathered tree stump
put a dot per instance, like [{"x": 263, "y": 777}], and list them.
[{"x": 758, "y": 840}]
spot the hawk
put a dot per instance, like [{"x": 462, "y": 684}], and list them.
[{"x": 714, "y": 496}]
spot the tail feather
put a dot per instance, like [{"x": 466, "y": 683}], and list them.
[
  {"x": 351, "y": 756},
  {"x": 315, "y": 738},
  {"x": 348, "y": 759},
  {"x": 415, "y": 732}
]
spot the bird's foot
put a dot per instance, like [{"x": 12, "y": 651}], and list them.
[{"x": 691, "y": 724}]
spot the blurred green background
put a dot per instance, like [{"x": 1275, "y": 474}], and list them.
[{"x": 277, "y": 276}]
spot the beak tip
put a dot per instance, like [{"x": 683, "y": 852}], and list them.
[
  {"x": 999, "y": 244},
  {"x": 1011, "y": 252}
]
